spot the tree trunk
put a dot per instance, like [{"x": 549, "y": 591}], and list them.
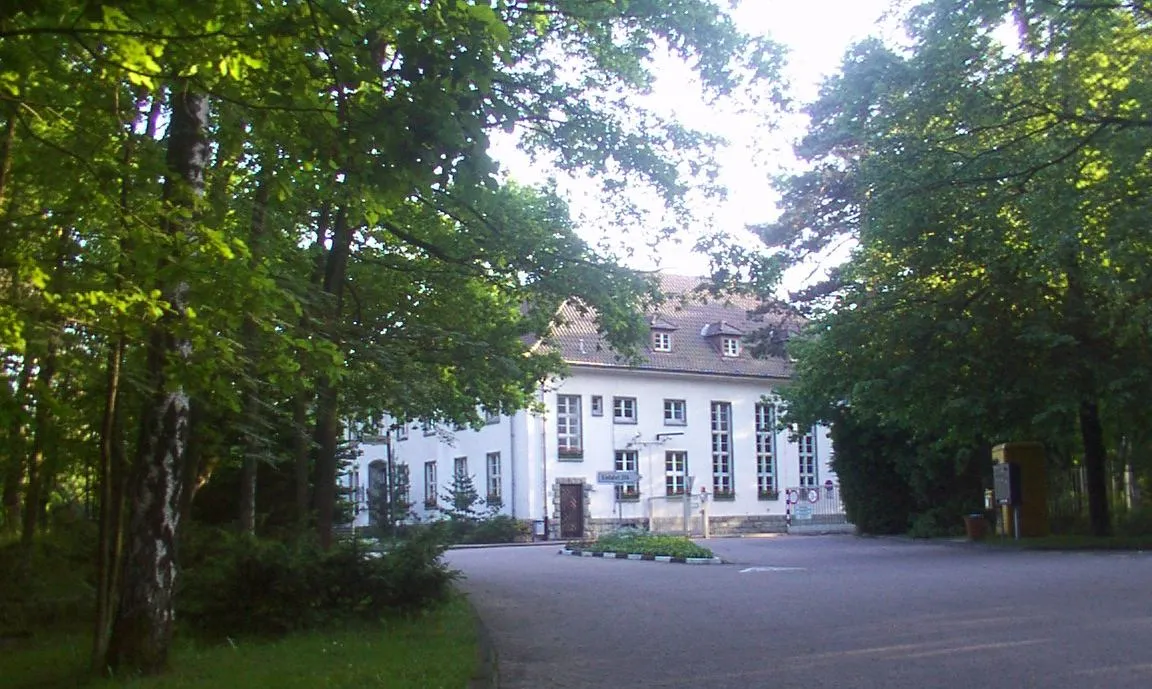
[
  {"x": 6, "y": 141},
  {"x": 249, "y": 339},
  {"x": 302, "y": 454},
  {"x": 327, "y": 435},
  {"x": 1095, "y": 468},
  {"x": 142, "y": 631},
  {"x": 111, "y": 474},
  {"x": 14, "y": 475},
  {"x": 41, "y": 428}
]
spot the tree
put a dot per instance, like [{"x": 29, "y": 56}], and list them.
[
  {"x": 234, "y": 225},
  {"x": 999, "y": 206},
  {"x": 461, "y": 500}
]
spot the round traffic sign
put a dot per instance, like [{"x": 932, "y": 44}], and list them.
[{"x": 813, "y": 495}]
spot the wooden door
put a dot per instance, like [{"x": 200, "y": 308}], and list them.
[{"x": 571, "y": 510}]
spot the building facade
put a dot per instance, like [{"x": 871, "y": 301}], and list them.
[{"x": 695, "y": 416}]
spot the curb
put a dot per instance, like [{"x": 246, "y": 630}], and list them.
[
  {"x": 487, "y": 672},
  {"x": 648, "y": 558},
  {"x": 471, "y": 546}
]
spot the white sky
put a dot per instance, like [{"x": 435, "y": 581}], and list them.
[{"x": 816, "y": 32}]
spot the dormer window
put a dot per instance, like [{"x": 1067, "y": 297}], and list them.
[
  {"x": 661, "y": 333},
  {"x": 661, "y": 341},
  {"x": 730, "y": 346}
]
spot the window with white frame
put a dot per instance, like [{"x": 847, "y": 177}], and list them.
[
  {"x": 460, "y": 467},
  {"x": 675, "y": 413},
  {"x": 730, "y": 346},
  {"x": 627, "y": 460},
  {"x": 722, "y": 449},
  {"x": 675, "y": 471},
  {"x": 807, "y": 452},
  {"x": 403, "y": 489},
  {"x": 597, "y": 405},
  {"x": 495, "y": 478},
  {"x": 430, "y": 484},
  {"x": 569, "y": 441},
  {"x": 402, "y": 431},
  {"x": 661, "y": 341},
  {"x": 491, "y": 418},
  {"x": 624, "y": 410},
  {"x": 766, "y": 450},
  {"x": 428, "y": 427}
]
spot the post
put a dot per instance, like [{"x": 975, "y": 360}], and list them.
[
  {"x": 688, "y": 481},
  {"x": 704, "y": 511}
]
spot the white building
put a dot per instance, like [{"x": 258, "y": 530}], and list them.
[{"x": 698, "y": 410}]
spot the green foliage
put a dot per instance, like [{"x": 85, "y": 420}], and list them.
[
  {"x": 461, "y": 502},
  {"x": 240, "y": 585},
  {"x": 500, "y": 528},
  {"x": 877, "y": 497},
  {"x": 648, "y": 545},
  {"x": 1136, "y": 522},
  {"x": 996, "y": 187},
  {"x": 49, "y": 584}
]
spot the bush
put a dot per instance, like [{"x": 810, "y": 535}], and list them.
[
  {"x": 1137, "y": 522},
  {"x": 239, "y": 585},
  {"x": 500, "y": 529},
  {"x": 649, "y": 545},
  {"x": 53, "y": 582}
]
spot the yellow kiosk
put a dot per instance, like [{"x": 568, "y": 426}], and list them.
[{"x": 1023, "y": 492}]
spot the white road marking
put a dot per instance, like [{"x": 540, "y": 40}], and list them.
[{"x": 771, "y": 569}]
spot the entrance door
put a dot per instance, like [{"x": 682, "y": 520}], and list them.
[{"x": 571, "y": 510}]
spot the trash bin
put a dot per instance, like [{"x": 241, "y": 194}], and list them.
[{"x": 975, "y": 526}]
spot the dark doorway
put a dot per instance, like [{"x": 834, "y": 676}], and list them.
[{"x": 571, "y": 510}]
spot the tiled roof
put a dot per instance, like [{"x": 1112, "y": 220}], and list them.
[{"x": 696, "y": 317}]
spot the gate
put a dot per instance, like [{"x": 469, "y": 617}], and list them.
[{"x": 816, "y": 506}]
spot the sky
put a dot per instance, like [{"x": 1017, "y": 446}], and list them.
[{"x": 816, "y": 32}]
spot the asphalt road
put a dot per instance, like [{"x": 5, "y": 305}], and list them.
[{"x": 815, "y": 612}]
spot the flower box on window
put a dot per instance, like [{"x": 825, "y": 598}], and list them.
[
  {"x": 429, "y": 504},
  {"x": 570, "y": 453},
  {"x": 768, "y": 495},
  {"x": 630, "y": 495},
  {"x": 724, "y": 495}
]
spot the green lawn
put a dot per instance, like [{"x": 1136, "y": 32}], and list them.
[{"x": 436, "y": 650}]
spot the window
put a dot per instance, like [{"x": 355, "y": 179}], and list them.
[
  {"x": 675, "y": 413},
  {"x": 807, "y": 453},
  {"x": 568, "y": 436},
  {"x": 402, "y": 431},
  {"x": 597, "y": 405},
  {"x": 428, "y": 427},
  {"x": 460, "y": 467},
  {"x": 624, "y": 409},
  {"x": 730, "y": 346},
  {"x": 675, "y": 469},
  {"x": 491, "y": 418},
  {"x": 495, "y": 485},
  {"x": 766, "y": 450},
  {"x": 722, "y": 449},
  {"x": 429, "y": 484},
  {"x": 627, "y": 460},
  {"x": 661, "y": 341},
  {"x": 403, "y": 490}
]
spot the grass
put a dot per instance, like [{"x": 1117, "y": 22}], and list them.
[
  {"x": 434, "y": 650},
  {"x": 646, "y": 544}
]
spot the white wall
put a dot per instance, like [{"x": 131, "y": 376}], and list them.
[
  {"x": 602, "y": 437},
  {"x": 524, "y": 438}
]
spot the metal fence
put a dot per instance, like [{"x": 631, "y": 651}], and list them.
[{"x": 816, "y": 505}]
